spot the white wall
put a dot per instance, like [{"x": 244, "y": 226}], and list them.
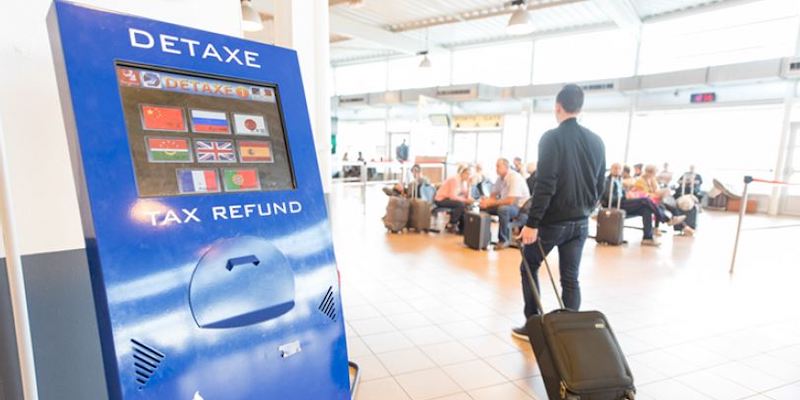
[{"x": 42, "y": 188}]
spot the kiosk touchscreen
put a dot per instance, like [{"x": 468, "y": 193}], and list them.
[{"x": 206, "y": 228}]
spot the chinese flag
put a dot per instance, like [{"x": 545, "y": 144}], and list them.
[{"x": 163, "y": 119}]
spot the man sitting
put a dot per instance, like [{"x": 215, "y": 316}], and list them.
[
  {"x": 508, "y": 195},
  {"x": 454, "y": 194},
  {"x": 414, "y": 187}
]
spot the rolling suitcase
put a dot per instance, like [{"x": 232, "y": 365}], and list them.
[
  {"x": 419, "y": 217},
  {"x": 611, "y": 222},
  {"x": 396, "y": 217},
  {"x": 477, "y": 230},
  {"x": 577, "y": 352}
]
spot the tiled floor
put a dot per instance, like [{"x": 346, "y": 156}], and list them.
[{"x": 429, "y": 319}]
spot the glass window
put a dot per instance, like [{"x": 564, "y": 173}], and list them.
[
  {"x": 514, "y": 134},
  {"x": 464, "y": 147},
  {"x": 366, "y": 137},
  {"x": 360, "y": 78},
  {"x": 588, "y": 56},
  {"x": 500, "y": 64},
  {"x": 405, "y": 72},
  {"x": 719, "y": 141},
  {"x": 759, "y": 30},
  {"x": 613, "y": 128},
  {"x": 541, "y": 122}
]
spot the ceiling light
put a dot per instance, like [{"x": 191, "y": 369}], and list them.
[
  {"x": 520, "y": 22},
  {"x": 251, "y": 21}
]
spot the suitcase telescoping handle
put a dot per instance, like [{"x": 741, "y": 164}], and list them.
[
  {"x": 529, "y": 273},
  {"x": 611, "y": 193}
]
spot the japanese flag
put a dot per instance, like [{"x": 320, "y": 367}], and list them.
[{"x": 247, "y": 124}]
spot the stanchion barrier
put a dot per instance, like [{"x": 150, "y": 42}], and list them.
[{"x": 743, "y": 208}]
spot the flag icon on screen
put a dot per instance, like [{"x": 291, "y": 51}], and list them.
[
  {"x": 255, "y": 152},
  {"x": 168, "y": 150},
  {"x": 247, "y": 124},
  {"x": 214, "y": 151},
  {"x": 209, "y": 122},
  {"x": 198, "y": 181},
  {"x": 156, "y": 118},
  {"x": 151, "y": 79},
  {"x": 128, "y": 76},
  {"x": 237, "y": 180}
]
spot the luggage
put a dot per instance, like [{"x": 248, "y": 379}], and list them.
[
  {"x": 477, "y": 230},
  {"x": 396, "y": 217},
  {"x": 577, "y": 352},
  {"x": 419, "y": 217},
  {"x": 611, "y": 222}
]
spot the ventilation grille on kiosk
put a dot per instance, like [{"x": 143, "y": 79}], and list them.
[
  {"x": 328, "y": 304},
  {"x": 146, "y": 360}
]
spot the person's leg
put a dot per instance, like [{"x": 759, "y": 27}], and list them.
[
  {"x": 506, "y": 214},
  {"x": 534, "y": 257},
  {"x": 570, "y": 252},
  {"x": 456, "y": 209},
  {"x": 640, "y": 209}
]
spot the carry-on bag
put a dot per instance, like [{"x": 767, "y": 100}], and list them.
[
  {"x": 419, "y": 217},
  {"x": 477, "y": 230},
  {"x": 577, "y": 352},
  {"x": 396, "y": 217},
  {"x": 611, "y": 222}
]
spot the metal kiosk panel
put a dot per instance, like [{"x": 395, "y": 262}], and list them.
[{"x": 206, "y": 228}]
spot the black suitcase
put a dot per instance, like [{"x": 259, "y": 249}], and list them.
[
  {"x": 477, "y": 230},
  {"x": 577, "y": 352},
  {"x": 611, "y": 223}
]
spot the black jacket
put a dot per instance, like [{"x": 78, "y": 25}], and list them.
[{"x": 570, "y": 175}]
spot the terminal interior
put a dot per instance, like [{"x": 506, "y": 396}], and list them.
[{"x": 403, "y": 96}]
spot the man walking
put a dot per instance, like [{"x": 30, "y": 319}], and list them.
[{"x": 570, "y": 181}]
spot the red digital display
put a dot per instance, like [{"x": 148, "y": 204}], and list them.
[{"x": 704, "y": 97}]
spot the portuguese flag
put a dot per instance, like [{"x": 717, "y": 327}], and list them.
[
  {"x": 240, "y": 179},
  {"x": 168, "y": 150}
]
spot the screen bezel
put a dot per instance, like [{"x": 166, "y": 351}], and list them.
[{"x": 279, "y": 104}]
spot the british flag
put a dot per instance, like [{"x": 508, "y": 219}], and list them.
[{"x": 212, "y": 151}]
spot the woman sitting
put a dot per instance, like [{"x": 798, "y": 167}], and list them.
[{"x": 454, "y": 194}]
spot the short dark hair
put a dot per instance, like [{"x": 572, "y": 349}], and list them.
[{"x": 571, "y": 98}]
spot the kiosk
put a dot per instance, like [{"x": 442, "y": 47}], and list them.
[{"x": 206, "y": 229}]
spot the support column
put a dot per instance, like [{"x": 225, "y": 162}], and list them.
[
  {"x": 786, "y": 131},
  {"x": 304, "y": 27}
]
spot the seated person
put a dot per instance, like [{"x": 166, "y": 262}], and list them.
[
  {"x": 647, "y": 184},
  {"x": 665, "y": 176},
  {"x": 479, "y": 185},
  {"x": 628, "y": 181},
  {"x": 508, "y": 195},
  {"x": 414, "y": 185},
  {"x": 453, "y": 194},
  {"x": 519, "y": 167},
  {"x": 643, "y": 207},
  {"x": 688, "y": 181}
]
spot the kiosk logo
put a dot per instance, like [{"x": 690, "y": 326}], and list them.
[{"x": 194, "y": 48}]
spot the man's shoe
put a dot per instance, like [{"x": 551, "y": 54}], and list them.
[
  {"x": 688, "y": 231},
  {"x": 500, "y": 246},
  {"x": 651, "y": 242},
  {"x": 676, "y": 220},
  {"x": 520, "y": 333}
]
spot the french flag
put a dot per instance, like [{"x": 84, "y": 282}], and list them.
[
  {"x": 197, "y": 181},
  {"x": 210, "y": 122}
]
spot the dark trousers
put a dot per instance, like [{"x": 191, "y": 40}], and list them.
[
  {"x": 569, "y": 237},
  {"x": 644, "y": 208},
  {"x": 505, "y": 214},
  {"x": 456, "y": 213}
]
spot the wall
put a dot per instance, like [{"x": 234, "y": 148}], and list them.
[{"x": 48, "y": 231}]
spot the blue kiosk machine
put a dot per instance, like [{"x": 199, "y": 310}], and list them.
[{"x": 206, "y": 229}]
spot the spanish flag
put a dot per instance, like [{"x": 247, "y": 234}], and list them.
[{"x": 255, "y": 151}]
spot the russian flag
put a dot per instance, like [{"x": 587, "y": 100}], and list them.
[
  {"x": 210, "y": 122},
  {"x": 198, "y": 181}
]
